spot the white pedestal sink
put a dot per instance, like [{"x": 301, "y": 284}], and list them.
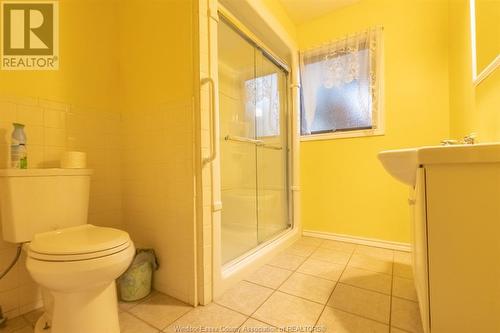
[{"x": 402, "y": 164}]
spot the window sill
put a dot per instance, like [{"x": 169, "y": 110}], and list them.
[{"x": 342, "y": 135}]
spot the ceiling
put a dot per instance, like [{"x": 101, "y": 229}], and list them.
[{"x": 301, "y": 11}]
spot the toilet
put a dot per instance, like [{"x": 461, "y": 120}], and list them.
[{"x": 74, "y": 263}]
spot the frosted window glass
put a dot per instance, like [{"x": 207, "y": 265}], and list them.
[
  {"x": 263, "y": 101},
  {"x": 343, "y": 104}
]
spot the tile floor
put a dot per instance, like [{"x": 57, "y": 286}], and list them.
[{"x": 332, "y": 286}]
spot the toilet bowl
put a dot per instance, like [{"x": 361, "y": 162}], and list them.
[{"x": 77, "y": 267}]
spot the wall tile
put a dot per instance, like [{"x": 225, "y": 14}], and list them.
[{"x": 51, "y": 128}]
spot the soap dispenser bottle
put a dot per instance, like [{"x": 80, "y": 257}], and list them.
[{"x": 18, "y": 155}]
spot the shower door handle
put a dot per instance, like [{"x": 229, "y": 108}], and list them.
[
  {"x": 243, "y": 139},
  {"x": 256, "y": 142},
  {"x": 213, "y": 142}
]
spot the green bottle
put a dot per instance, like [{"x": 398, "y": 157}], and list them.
[{"x": 18, "y": 155}]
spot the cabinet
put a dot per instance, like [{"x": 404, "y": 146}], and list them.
[{"x": 456, "y": 246}]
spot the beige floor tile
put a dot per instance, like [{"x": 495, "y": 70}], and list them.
[
  {"x": 403, "y": 270},
  {"x": 375, "y": 252},
  {"x": 33, "y": 316},
  {"x": 15, "y": 325},
  {"x": 310, "y": 241},
  {"x": 337, "y": 321},
  {"x": 302, "y": 250},
  {"x": 363, "y": 278},
  {"x": 211, "y": 317},
  {"x": 309, "y": 287},
  {"x": 339, "y": 246},
  {"x": 333, "y": 256},
  {"x": 397, "y": 330},
  {"x": 245, "y": 297},
  {"x": 406, "y": 315},
  {"x": 160, "y": 310},
  {"x": 287, "y": 261},
  {"x": 404, "y": 288},
  {"x": 283, "y": 310},
  {"x": 254, "y": 325},
  {"x": 371, "y": 264},
  {"x": 366, "y": 303},
  {"x": 321, "y": 268},
  {"x": 130, "y": 324},
  {"x": 402, "y": 257},
  {"x": 269, "y": 276},
  {"x": 124, "y": 306},
  {"x": 403, "y": 264}
]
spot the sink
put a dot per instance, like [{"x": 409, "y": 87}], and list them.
[{"x": 402, "y": 164}]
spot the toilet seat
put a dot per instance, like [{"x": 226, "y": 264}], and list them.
[{"x": 79, "y": 243}]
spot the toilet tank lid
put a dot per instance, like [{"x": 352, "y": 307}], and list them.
[{"x": 44, "y": 172}]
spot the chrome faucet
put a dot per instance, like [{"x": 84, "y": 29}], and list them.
[{"x": 467, "y": 140}]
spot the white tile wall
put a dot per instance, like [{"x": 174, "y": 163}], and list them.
[
  {"x": 158, "y": 190},
  {"x": 52, "y": 128}
]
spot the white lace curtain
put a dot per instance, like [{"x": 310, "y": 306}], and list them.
[
  {"x": 342, "y": 62},
  {"x": 263, "y": 104}
]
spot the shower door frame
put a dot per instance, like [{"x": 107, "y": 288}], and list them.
[
  {"x": 223, "y": 276},
  {"x": 284, "y": 112}
]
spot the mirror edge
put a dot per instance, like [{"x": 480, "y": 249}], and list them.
[{"x": 477, "y": 78}]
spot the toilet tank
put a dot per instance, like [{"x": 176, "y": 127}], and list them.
[{"x": 39, "y": 200}]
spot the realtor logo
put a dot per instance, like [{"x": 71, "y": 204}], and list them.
[{"x": 30, "y": 35}]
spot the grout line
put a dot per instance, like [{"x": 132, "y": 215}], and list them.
[
  {"x": 144, "y": 321},
  {"x": 364, "y": 288},
  {"x": 317, "y": 276},
  {"x": 149, "y": 298},
  {"x": 392, "y": 288},
  {"x": 358, "y": 315},
  {"x": 233, "y": 310},
  {"x": 282, "y": 283},
  {"x": 333, "y": 290},
  {"x": 405, "y": 299}
]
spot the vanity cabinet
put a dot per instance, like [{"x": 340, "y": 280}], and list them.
[{"x": 455, "y": 208}]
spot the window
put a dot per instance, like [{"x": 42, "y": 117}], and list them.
[
  {"x": 263, "y": 103},
  {"x": 341, "y": 90}
]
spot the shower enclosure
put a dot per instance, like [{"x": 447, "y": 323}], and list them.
[{"x": 254, "y": 144}]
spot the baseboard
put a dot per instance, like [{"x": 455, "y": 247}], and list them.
[{"x": 359, "y": 240}]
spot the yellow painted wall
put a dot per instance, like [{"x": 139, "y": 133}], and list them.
[
  {"x": 488, "y": 108},
  {"x": 280, "y": 14},
  {"x": 344, "y": 187},
  {"x": 487, "y": 31},
  {"x": 462, "y": 109},
  {"x": 88, "y": 48}
]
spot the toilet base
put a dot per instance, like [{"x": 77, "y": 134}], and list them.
[{"x": 93, "y": 311}]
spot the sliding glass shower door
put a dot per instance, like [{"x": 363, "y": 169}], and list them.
[{"x": 254, "y": 144}]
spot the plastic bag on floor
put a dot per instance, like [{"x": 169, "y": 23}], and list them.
[{"x": 136, "y": 282}]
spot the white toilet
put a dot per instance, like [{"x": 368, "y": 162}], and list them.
[{"x": 75, "y": 263}]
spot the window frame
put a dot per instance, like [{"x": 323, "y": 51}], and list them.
[{"x": 380, "y": 114}]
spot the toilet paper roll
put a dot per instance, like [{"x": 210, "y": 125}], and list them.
[{"x": 74, "y": 160}]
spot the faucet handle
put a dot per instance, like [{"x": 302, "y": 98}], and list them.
[{"x": 470, "y": 139}]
